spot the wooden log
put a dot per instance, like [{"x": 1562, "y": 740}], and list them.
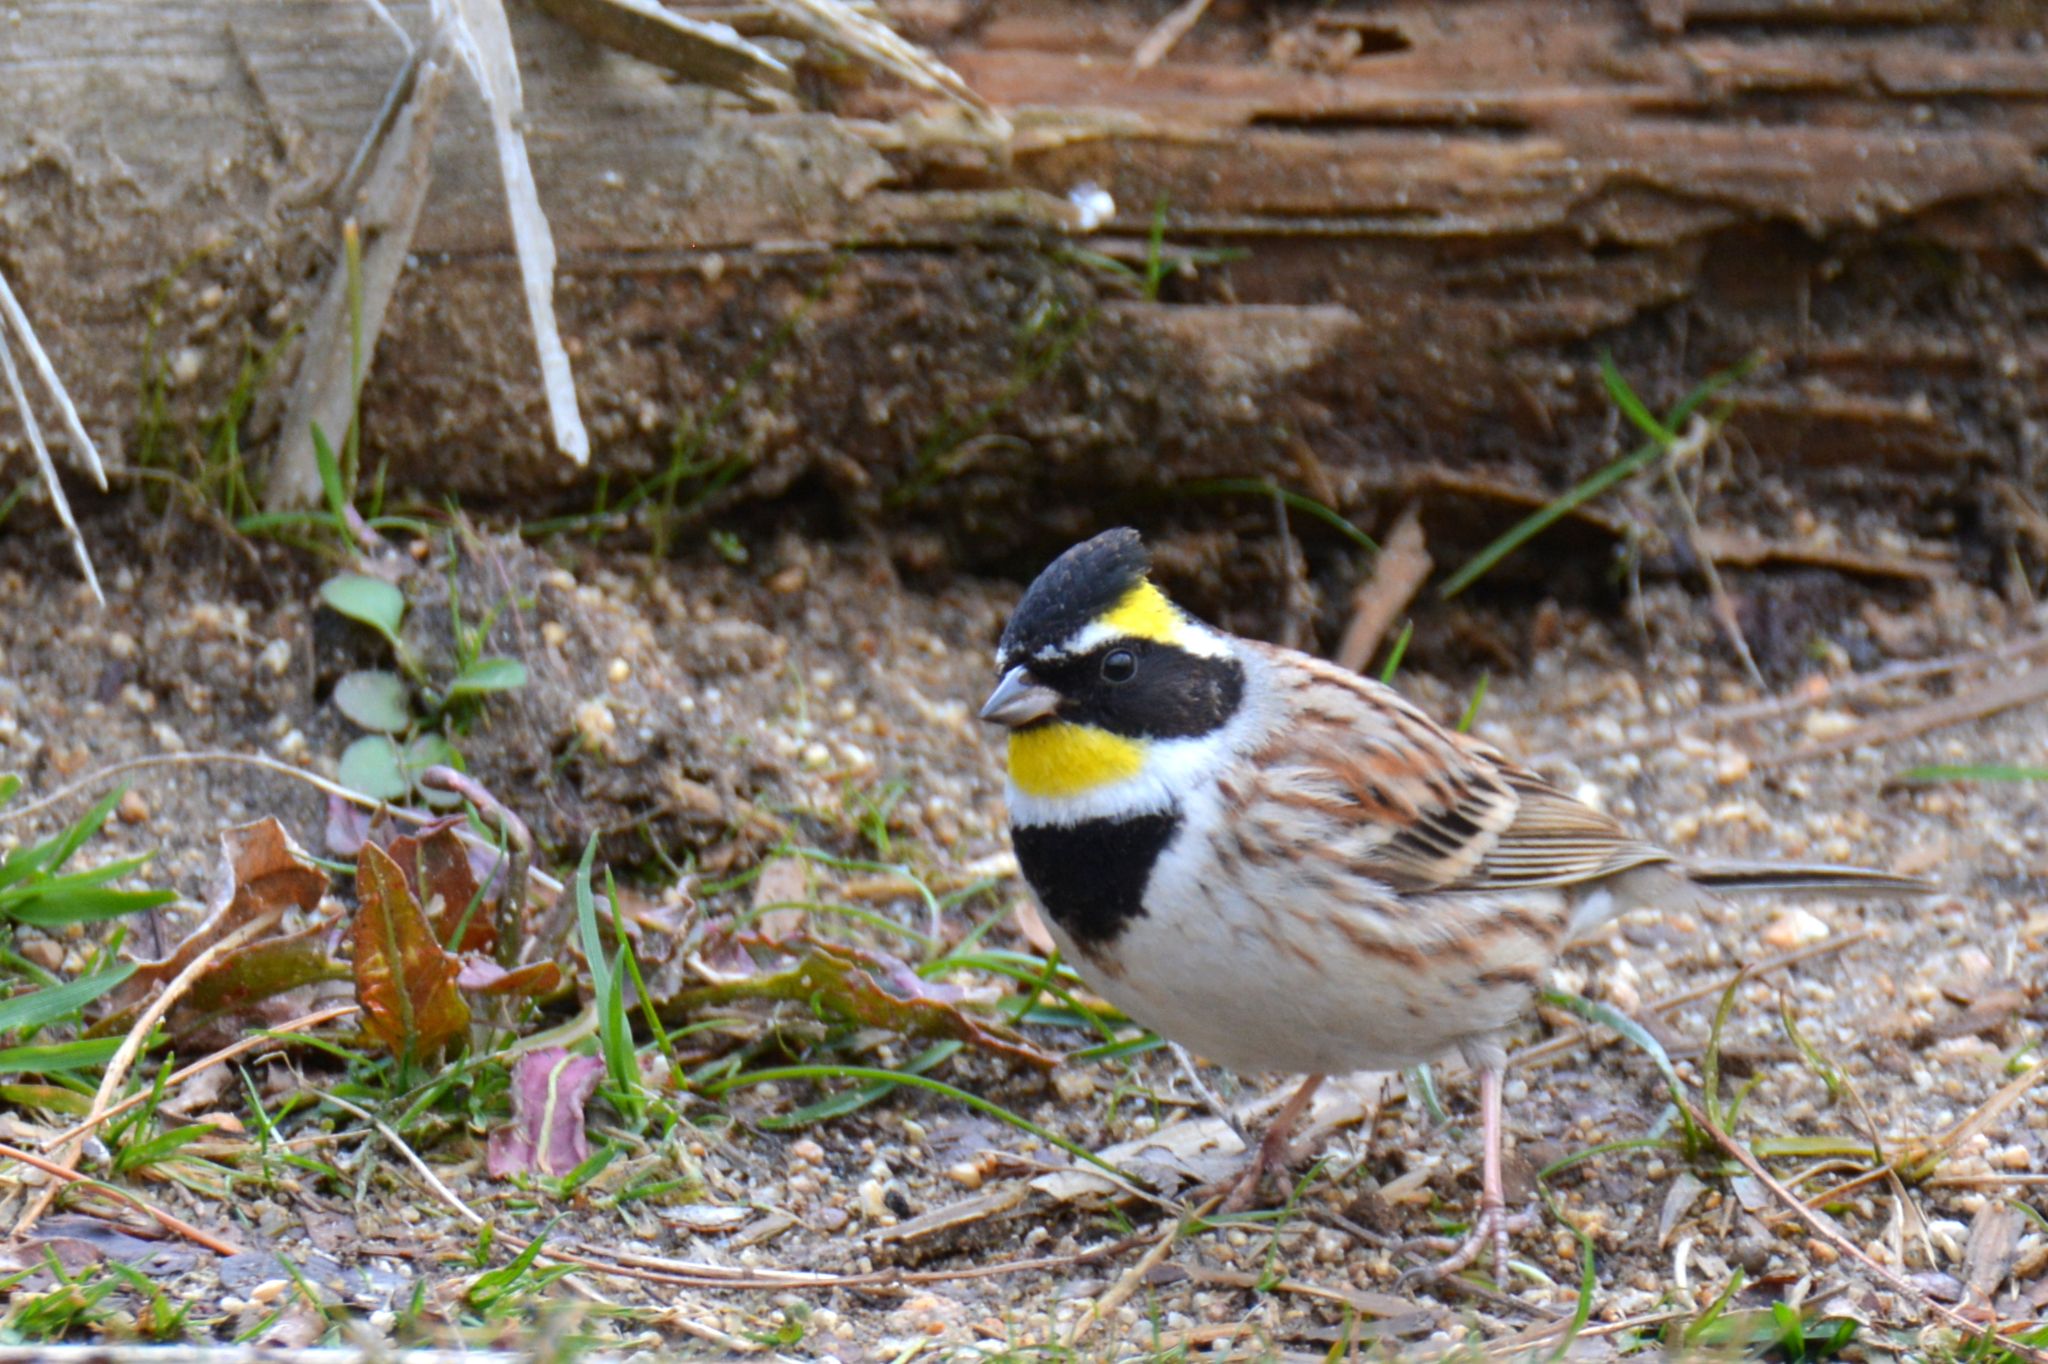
[{"x": 1398, "y": 237}]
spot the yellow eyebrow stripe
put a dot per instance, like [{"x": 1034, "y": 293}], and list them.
[
  {"x": 1059, "y": 760},
  {"x": 1145, "y": 613}
]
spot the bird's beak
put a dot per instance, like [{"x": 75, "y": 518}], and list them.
[{"x": 1018, "y": 700}]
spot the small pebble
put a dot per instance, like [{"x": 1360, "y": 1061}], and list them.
[
  {"x": 595, "y": 722},
  {"x": 133, "y": 809},
  {"x": 1795, "y": 928},
  {"x": 1829, "y": 724}
]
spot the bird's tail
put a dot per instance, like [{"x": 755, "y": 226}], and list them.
[{"x": 1737, "y": 878}]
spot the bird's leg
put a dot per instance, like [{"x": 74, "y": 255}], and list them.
[
  {"x": 1493, "y": 1224},
  {"x": 1273, "y": 1148}
]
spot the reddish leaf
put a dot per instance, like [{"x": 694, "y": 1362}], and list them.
[
  {"x": 348, "y": 827},
  {"x": 438, "y": 868},
  {"x": 405, "y": 980},
  {"x": 549, "y": 1089},
  {"x": 482, "y": 976},
  {"x": 261, "y": 870}
]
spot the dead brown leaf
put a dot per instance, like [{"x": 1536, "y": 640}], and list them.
[{"x": 405, "y": 979}]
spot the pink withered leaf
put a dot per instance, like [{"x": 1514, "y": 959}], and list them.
[{"x": 545, "y": 1136}]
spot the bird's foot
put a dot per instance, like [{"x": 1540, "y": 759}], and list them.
[
  {"x": 1275, "y": 1152},
  {"x": 1492, "y": 1229}
]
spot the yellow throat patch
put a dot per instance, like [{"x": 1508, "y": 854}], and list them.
[
  {"x": 1057, "y": 760},
  {"x": 1145, "y": 613}
]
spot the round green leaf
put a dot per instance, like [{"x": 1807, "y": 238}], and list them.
[
  {"x": 372, "y": 601},
  {"x": 371, "y": 765},
  {"x": 375, "y": 701},
  {"x": 495, "y": 673}
]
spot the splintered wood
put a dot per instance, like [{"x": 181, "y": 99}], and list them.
[{"x": 1397, "y": 234}]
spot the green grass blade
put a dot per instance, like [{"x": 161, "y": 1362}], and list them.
[
  {"x": 38, "y": 1007},
  {"x": 1398, "y": 652},
  {"x": 1541, "y": 520},
  {"x": 1632, "y": 406},
  {"x": 1308, "y": 506},
  {"x": 1934, "y": 772},
  {"x": 1628, "y": 465},
  {"x": 1471, "y": 715},
  {"x": 1593, "y": 1011},
  {"x": 58, "y": 1058},
  {"x": 59, "y": 903},
  {"x": 853, "y": 1100}
]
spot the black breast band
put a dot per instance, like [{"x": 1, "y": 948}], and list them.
[{"x": 1091, "y": 876}]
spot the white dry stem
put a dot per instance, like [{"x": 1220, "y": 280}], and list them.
[
  {"x": 484, "y": 39},
  {"x": 376, "y": 7},
  {"x": 45, "y": 463},
  {"x": 66, "y": 1153},
  {"x": 874, "y": 42},
  {"x": 11, "y": 313}
]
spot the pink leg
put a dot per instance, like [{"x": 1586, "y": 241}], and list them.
[
  {"x": 1273, "y": 1149},
  {"x": 1493, "y": 1224}
]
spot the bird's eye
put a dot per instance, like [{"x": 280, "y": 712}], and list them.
[{"x": 1119, "y": 665}]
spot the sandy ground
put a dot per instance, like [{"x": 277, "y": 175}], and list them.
[{"x": 741, "y": 708}]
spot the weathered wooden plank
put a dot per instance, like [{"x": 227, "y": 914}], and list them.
[{"x": 1404, "y": 234}]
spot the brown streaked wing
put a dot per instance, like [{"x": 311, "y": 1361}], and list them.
[
  {"x": 1402, "y": 799},
  {"x": 1554, "y": 840}
]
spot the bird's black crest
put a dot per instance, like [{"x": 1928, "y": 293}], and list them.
[{"x": 1073, "y": 590}]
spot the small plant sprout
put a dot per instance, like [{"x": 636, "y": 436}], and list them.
[{"x": 409, "y": 712}]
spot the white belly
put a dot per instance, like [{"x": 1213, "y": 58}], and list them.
[{"x": 1252, "y": 968}]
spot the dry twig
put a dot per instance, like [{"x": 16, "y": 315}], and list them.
[
  {"x": 1166, "y": 33},
  {"x": 1397, "y": 575},
  {"x": 1127, "y": 1283},
  {"x": 397, "y": 160},
  {"x": 47, "y": 466},
  {"x": 207, "y": 1062},
  {"x": 1778, "y": 707},
  {"x": 66, "y": 1154},
  {"x": 1683, "y": 450},
  {"x": 61, "y": 1175},
  {"x": 2001, "y": 695},
  {"x": 1825, "y": 1228}
]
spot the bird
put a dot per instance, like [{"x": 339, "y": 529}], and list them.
[{"x": 1286, "y": 867}]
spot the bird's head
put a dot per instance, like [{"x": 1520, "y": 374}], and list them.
[{"x": 1098, "y": 668}]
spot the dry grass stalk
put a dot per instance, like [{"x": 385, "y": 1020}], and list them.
[
  {"x": 60, "y": 1175},
  {"x": 66, "y": 1154},
  {"x": 1825, "y": 1228},
  {"x": 1167, "y": 33},
  {"x": 1397, "y": 575},
  {"x": 45, "y": 464},
  {"x": 1989, "y": 699}
]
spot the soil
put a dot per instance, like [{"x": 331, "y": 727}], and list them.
[{"x": 707, "y": 713}]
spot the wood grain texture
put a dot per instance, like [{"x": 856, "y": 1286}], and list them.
[{"x": 1402, "y": 235}]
